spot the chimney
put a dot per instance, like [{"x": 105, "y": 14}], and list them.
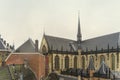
[{"x": 36, "y": 45}]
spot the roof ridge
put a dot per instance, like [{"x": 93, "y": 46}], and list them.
[
  {"x": 25, "y": 42},
  {"x": 102, "y": 36},
  {"x": 103, "y": 66},
  {"x": 57, "y": 42},
  {"x": 32, "y": 42},
  {"x": 58, "y": 37}
]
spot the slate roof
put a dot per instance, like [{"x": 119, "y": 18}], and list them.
[
  {"x": 91, "y": 64},
  {"x": 102, "y": 42},
  {"x": 27, "y": 46},
  {"x": 103, "y": 71},
  {"x": 2, "y": 45},
  {"x": 5, "y": 46},
  {"x": 103, "y": 68},
  {"x": 62, "y": 44}
]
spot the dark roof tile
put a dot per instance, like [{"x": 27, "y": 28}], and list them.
[
  {"x": 101, "y": 42},
  {"x": 58, "y": 43},
  {"x": 103, "y": 68},
  {"x": 28, "y": 46}
]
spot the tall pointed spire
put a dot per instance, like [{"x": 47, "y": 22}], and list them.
[
  {"x": 79, "y": 35},
  {"x": 44, "y": 31}
]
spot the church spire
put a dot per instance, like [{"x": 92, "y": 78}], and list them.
[{"x": 79, "y": 35}]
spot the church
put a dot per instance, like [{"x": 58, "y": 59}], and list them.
[{"x": 62, "y": 54}]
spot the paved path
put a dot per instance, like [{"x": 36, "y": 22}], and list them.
[{"x": 4, "y": 73}]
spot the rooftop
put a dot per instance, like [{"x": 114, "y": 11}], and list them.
[{"x": 102, "y": 42}]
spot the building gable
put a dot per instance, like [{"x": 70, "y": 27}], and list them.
[
  {"x": 60, "y": 44},
  {"x": 44, "y": 44},
  {"x": 28, "y": 46}
]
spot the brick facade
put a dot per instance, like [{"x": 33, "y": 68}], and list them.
[{"x": 36, "y": 62}]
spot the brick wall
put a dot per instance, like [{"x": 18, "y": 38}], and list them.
[{"x": 36, "y": 62}]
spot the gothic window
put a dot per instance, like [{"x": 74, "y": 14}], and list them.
[
  {"x": 113, "y": 62},
  {"x": 66, "y": 62},
  {"x": 118, "y": 60},
  {"x": 75, "y": 62},
  {"x": 57, "y": 63},
  {"x": 92, "y": 59},
  {"x": 102, "y": 58},
  {"x": 62, "y": 62},
  {"x": 83, "y": 62},
  {"x": 44, "y": 49}
]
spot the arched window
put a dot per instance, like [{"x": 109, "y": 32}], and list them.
[
  {"x": 83, "y": 62},
  {"x": 102, "y": 58},
  {"x": 92, "y": 58},
  {"x": 44, "y": 50},
  {"x": 75, "y": 62},
  {"x": 66, "y": 62},
  {"x": 113, "y": 62},
  {"x": 57, "y": 63}
]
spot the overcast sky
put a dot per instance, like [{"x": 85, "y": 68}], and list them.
[{"x": 23, "y": 19}]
